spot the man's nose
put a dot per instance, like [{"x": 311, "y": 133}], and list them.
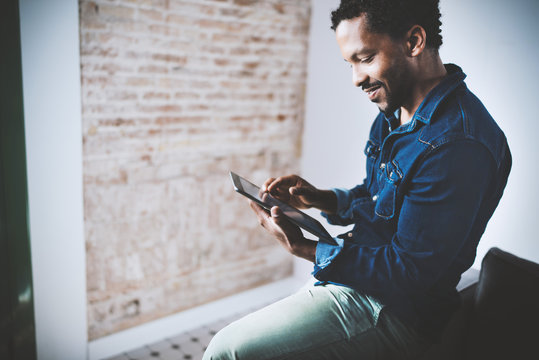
[{"x": 358, "y": 76}]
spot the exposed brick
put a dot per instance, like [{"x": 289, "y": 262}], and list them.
[
  {"x": 186, "y": 95},
  {"x": 139, "y": 81},
  {"x": 150, "y": 15},
  {"x": 175, "y": 93},
  {"x": 156, "y": 95},
  {"x": 179, "y": 60},
  {"x": 153, "y": 69},
  {"x": 154, "y": 4},
  {"x": 99, "y": 51},
  {"x": 115, "y": 13},
  {"x": 179, "y": 19},
  {"x": 245, "y": 2}
]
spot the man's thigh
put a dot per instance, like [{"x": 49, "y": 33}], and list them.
[{"x": 318, "y": 322}]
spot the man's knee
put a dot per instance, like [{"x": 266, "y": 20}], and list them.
[
  {"x": 225, "y": 345},
  {"x": 243, "y": 339}
]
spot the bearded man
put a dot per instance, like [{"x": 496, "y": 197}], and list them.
[{"x": 437, "y": 164}]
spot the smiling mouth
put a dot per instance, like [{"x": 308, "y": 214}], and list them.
[{"x": 372, "y": 91}]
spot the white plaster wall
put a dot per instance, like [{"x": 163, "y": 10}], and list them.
[
  {"x": 496, "y": 44},
  {"x": 51, "y": 88}
]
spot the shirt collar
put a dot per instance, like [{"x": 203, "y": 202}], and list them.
[
  {"x": 455, "y": 77},
  {"x": 393, "y": 120},
  {"x": 430, "y": 103}
]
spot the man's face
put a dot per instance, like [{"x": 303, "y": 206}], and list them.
[{"x": 379, "y": 63}]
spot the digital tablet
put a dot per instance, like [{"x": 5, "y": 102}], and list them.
[{"x": 264, "y": 199}]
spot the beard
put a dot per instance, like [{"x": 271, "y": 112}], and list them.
[{"x": 396, "y": 87}]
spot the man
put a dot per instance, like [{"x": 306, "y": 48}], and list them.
[{"x": 437, "y": 165}]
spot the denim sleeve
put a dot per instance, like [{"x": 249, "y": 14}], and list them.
[
  {"x": 436, "y": 217},
  {"x": 344, "y": 215}
]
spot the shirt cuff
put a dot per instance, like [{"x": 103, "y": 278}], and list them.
[
  {"x": 344, "y": 199},
  {"x": 326, "y": 253}
]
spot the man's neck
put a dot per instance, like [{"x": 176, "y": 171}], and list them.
[{"x": 431, "y": 71}]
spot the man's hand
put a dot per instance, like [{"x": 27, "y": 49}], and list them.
[
  {"x": 288, "y": 234},
  {"x": 297, "y": 192}
]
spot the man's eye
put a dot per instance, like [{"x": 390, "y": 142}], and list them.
[{"x": 368, "y": 59}]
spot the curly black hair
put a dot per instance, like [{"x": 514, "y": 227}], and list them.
[{"x": 394, "y": 17}]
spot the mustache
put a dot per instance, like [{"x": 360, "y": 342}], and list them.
[{"x": 365, "y": 86}]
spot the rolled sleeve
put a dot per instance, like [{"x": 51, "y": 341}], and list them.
[
  {"x": 326, "y": 253},
  {"x": 345, "y": 197}
]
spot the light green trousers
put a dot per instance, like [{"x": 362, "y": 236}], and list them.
[{"x": 318, "y": 322}]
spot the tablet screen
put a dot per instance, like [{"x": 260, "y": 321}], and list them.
[{"x": 267, "y": 201}]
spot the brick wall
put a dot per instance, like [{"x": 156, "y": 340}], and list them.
[{"x": 175, "y": 93}]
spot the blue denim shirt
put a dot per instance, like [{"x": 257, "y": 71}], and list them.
[{"x": 431, "y": 187}]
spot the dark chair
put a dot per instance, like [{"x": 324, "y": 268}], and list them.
[{"x": 499, "y": 315}]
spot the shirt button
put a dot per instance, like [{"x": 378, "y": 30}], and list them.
[
  {"x": 375, "y": 197},
  {"x": 350, "y": 234},
  {"x": 382, "y": 166}
]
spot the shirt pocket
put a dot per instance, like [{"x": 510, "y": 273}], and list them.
[
  {"x": 371, "y": 152},
  {"x": 389, "y": 178}
]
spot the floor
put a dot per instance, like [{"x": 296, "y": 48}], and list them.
[{"x": 186, "y": 346}]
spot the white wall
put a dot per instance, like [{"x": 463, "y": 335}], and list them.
[
  {"x": 51, "y": 88},
  {"x": 495, "y": 42}
]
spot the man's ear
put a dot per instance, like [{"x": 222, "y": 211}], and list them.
[{"x": 416, "y": 40}]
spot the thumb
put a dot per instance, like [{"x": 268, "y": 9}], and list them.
[
  {"x": 276, "y": 212},
  {"x": 278, "y": 217}
]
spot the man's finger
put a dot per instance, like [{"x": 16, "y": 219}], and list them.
[
  {"x": 276, "y": 212},
  {"x": 279, "y": 218},
  {"x": 260, "y": 212},
  {"x": 280, "y": 181},
  {"x": 267, "y": 184}
]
